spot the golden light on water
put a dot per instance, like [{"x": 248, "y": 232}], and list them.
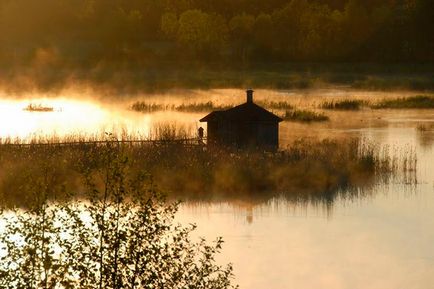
[
  {"x": 82, "y": 118},
  {"x": 69, "y": 117}
]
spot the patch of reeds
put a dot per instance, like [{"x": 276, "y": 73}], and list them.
[
  {"x": 146, "y": 107},
  {"x": 307, "y": 170},
  {"x": 346, "y": 104},
  {"x": 414, "y": 102},
  {"x": 304, "y": 116},
  {"x": 425, "y": 127},
  {"x": 38, "y": 108},
  {"x": 275, "y": 104},
  {"x": 141, "y": 106}
]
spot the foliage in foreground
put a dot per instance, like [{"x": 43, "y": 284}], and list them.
[{"x": 121, "y": 236}]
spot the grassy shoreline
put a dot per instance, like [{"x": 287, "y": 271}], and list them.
[{"x": 307, "y": 170}]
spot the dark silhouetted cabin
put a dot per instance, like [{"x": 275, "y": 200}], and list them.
[{"x": 245, "y": 126}]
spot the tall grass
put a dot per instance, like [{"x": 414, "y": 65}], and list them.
[
  {"x": 414, "y": 102},
  {"x": 346, "y": 104},
  {"x": 275, "y": 104},
  {"x": 304, "y": 116},
  {"x": 306, "y": 170},
  {"x": 38, "y": 108},
  {"x": 141, "y": 106}
]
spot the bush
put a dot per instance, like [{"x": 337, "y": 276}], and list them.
[{"x": 121, "y": 236}]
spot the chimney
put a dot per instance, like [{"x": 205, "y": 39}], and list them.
[{"x": 249, "y": 95}]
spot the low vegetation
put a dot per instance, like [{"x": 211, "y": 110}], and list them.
[
  {"x": 346, "y": 104},
  {"x": 275, "y": 104},
  {"x": 38, "y": 108},
  {"x": 118, "y": 234},
  {"x": 425, "y": 127},
  {"x": 305, "y": 170},
  {"x": 414, "y": 102},
  {"x": 304, "y": 116},
  {"x": 141, "y": 106}
]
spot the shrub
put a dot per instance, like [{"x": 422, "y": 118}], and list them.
[{"x": 121, "y": 236}]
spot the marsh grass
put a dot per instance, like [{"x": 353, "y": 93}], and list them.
[
  {"x": 306, "y": 170},
  {"x": 346, "y": 104},
  {"x": 141, "y": 106},
  {"x": 281, "y": 105},
  {"x": 160, "y": 132},
  {"x": 425, "y": 127},
  {"x": 302, "y": 115},
  {"x": 38, "y": 108},
  {"x": 414, "y": 102},
  {"x": 145, "y": 107}
]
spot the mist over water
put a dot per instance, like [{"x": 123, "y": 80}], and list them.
[
  {"x": 379, "y": 238},
  {"x": 89, "y": 113}
]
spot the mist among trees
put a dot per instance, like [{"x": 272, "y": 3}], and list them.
[{"x": 56, "y": 37}]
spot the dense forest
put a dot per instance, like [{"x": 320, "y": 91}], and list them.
[{"x": 95, "y": 34}]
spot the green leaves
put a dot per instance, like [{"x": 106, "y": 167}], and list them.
[{"x": 121, "y": 236}]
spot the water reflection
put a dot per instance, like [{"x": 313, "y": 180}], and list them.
[{"x": 381, "y": 237}]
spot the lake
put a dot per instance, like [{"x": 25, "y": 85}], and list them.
[{"x": 382, "y": 239}]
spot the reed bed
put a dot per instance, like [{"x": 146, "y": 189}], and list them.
[
  {"x": 346, "y": 104},
  {"x": 280, "y": 105},
  {"x": 302, "y": 115},
  {"x": 414, "y": 102},
  {"x": 425, "y": 127},
  {"x": 307, "y": 170},
  {"x": 145, "y": 107},
  {"x": 38, "y": 108}
]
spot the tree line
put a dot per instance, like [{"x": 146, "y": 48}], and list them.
[{"x": 87, "y": 33}]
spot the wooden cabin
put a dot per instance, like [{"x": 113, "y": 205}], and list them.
[{"x": 244, "y": 126}]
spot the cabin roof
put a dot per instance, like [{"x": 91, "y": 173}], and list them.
[{"x": 248, "y": 111}]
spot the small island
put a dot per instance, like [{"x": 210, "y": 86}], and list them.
[{"x": 38, "y": 108}]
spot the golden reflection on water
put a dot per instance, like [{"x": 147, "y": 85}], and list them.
[
  {"x": 86, "y": 115},
  {"x": 71, "y": 118},
  {"x": 67, "y": 117},
  {"x": 380, "y": 242},
  {"x": 384, "y": 240}
]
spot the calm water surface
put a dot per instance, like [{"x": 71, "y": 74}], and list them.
[{"x": 383, "y": 240}]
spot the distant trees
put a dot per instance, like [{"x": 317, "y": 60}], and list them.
[
  {"x": 237, "y": 30},
  {"x": 199, "y": 32}
]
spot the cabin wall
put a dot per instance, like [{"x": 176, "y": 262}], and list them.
[
  {"x": 267, "y": 135},
  {"x": 263, "y": 135},
  {"x": 221, "y": 133}
]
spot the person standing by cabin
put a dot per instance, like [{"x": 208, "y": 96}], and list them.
[{"x": 200, "y": 134}]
